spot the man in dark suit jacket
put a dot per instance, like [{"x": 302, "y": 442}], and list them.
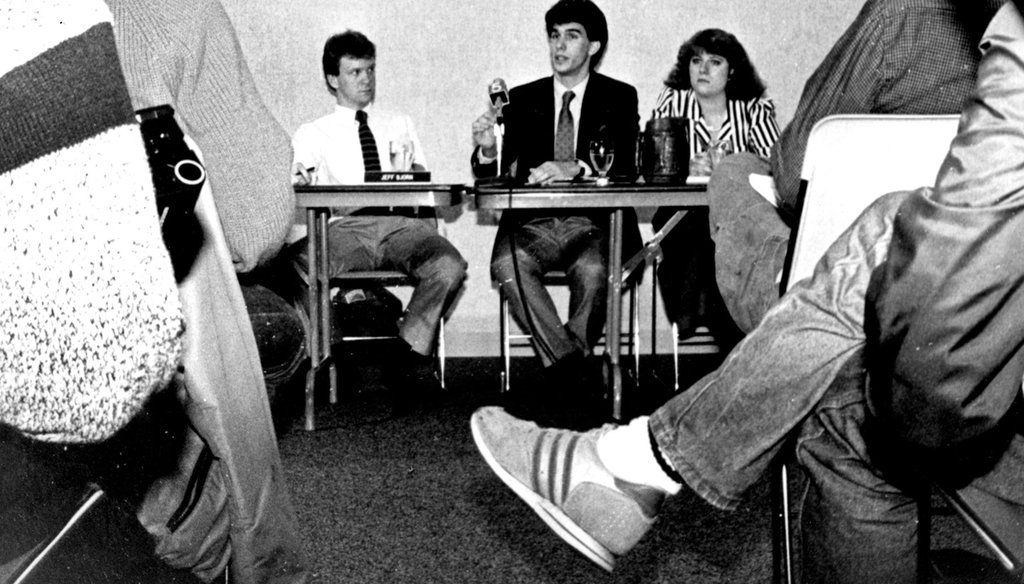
[
  {"x": 548, "y": 127},
  {"x": 896, "y": 365}
]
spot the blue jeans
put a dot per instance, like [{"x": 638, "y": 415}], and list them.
[
  {"x": 408, "y": 245},
  {"x": 800, "y": 375},
  {"x": 751, "y": 240},
  {"x": 280, "y": 335},
  {"x": 573, "y": 244}
]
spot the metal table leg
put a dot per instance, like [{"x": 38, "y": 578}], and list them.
[
  {"x": 313, "y": 304},
  {"x": 326, "y": 322},
  {"x": 614, "y": 322}
]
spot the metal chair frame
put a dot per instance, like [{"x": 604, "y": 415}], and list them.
[
  {"x": 319, "y": 347},
  {"x": 701, "y": 343},
  {"x": 510, "y": 339},
  {"x": 846, "y": 151},
  {"x": 388, "y": 279}
]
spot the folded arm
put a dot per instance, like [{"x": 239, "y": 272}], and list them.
[{"x": 944, "y": 314}]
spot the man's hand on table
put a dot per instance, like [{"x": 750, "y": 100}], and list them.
[{"x": 554, "y": 170}]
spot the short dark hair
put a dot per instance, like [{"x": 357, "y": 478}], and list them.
[
  {"x": 744, "y": 83},
  {"x": 588, "y": 15},
  {"x": 351, "y": 44}
]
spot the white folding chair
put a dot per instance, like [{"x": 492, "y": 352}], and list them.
[{"x": 851, "y": 160}]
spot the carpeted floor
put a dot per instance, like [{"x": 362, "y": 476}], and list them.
[
  {"x": 409, "y": 500},
  {"x": 397, "y": 500},
  {"x": 404, "y": 500}
]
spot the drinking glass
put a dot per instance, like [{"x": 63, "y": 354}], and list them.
[
  {"x": 401, "y": 154},
  {"x": 718, "y": 151},
  {"x": 602, "y": 155}
]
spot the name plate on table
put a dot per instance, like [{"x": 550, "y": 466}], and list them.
[{"x": 392, "y": 176}]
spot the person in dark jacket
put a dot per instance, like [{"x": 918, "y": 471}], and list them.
[
  {"x": 897, "y": 364},
  {"x": 549, "y": 125}
]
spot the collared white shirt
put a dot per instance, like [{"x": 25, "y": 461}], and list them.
[
  {"x": 330, "y": 144},
  {"x": 575, "y": 107}
]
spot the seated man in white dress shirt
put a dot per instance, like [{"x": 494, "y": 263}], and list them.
[{"x": 340, "y": 148}]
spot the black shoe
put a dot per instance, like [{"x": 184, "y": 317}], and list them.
[
  {"x": 413, "y": 384},
  {"x": 569, "y": 394}
]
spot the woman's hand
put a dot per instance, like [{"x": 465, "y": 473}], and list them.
[
  {"x": 302, "y": 176},
  {"x": 700, "y": 164}
]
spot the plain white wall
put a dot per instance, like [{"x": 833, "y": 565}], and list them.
[{"x": 435, "y": 59}]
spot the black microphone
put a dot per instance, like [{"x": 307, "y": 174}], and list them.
[{"x": 498, "y": 92}]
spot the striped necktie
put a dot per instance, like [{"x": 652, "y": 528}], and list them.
[
  {"x": 371, "y": 160},
  {"x": 565, "y": 148}
]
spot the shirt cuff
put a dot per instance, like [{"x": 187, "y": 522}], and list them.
[
  {"x": 484, "y": 159},
  {"x": 585, "y": 169}
]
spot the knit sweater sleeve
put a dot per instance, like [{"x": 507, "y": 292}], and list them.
[
  {"x": 186, "y": 51},
  {"x": 91, "y": 318}
]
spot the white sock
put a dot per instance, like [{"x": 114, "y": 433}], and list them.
[{"x": 627, "y": 453}]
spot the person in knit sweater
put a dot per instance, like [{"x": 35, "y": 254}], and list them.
[
  {"x": 170, "y": 54},
  {"x": 184, "y": 53},
  {"x": 70, "y": 148},
  {"x": 90, "y": 313}
]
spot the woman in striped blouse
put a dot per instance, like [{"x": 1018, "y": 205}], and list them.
[{"x": 716, "y": 89}]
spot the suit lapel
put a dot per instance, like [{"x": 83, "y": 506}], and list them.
[
  {"x": 536, "y": 119},
  {"x": 546, "y": 117}
]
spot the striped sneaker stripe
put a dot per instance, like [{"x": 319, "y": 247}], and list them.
[
  {"x": 553, "y": 455},
  {"x": 531, "y": 488},
  {"x": 537, "y": 473},
  {"x": 554, "y": 467},
  {"x": 566, "y": 461}
]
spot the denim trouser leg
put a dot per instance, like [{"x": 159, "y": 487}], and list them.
[
  {"x": 412, "y": 246},
  {"x": 280, "y": 335},
  {"x": 572, "y": 244},
  {"x": 855, "y": 526},
  {"x": 416, "y": 248},
  {"x": 751, "y": 240},
  {"x": 588, "y": 287},
  {"x": 723, "y": 432}
]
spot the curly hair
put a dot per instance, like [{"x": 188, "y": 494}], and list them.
[{"x": 744, "y": 82}]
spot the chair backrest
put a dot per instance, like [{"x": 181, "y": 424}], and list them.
[{"x": 852, "y": 160}]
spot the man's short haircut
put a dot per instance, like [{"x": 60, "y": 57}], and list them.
[
  {"x": 351, "y": 44},
  {"x": 587, "y": 14}
]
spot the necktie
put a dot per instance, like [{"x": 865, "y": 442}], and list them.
[
  {"x": 565, "y": 148},
  {"x": 371, "y": 160}
]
